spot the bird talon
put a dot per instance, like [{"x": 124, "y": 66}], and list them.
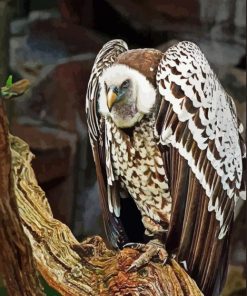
[
  {"x": 132, "y": 268},
  {"x": 165, "y": 261},
  {"x": 135, "y": 246},
  {"x": 163, "y": 255},
  {"x": 151, "y": 250}
]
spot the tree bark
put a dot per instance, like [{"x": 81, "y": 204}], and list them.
[
  {"x": 4, "y": 39},
  {"x": 70, "y": 267},
  {"x": 16, "y": 261}
]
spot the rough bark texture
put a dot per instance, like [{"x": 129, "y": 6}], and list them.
[
  {"x": 72, "y": 268},
  {"x": 16, "y": 260},
  {"x": 89, "y": 268},
  {"x": 4, "y": 39}
]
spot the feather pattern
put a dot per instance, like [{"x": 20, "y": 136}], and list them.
[
  {"x": 105, "y": 58},
  {"x": 199, "y": 138},
  {"x": 201, "y": 123},
  {"x": 99, "y": 139}
]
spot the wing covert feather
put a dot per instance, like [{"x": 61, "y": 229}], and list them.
[
  {"x": 97, "y": 130},
  {"x": 199, "y": 138},
  {"x": 199, "y": 119}
]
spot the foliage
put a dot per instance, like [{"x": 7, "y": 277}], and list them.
[{"x": 14, "y": 89}]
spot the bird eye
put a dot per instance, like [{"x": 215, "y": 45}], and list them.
[{"x": 125, "y": 84}]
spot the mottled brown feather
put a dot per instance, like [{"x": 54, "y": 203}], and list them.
[{"x": 145, "y": 61}]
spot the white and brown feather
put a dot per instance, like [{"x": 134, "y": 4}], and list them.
[
  {"x": 203, "y": 112},
  {"x": 138, "y": 165},
  {"x": 96, "y": 128}
]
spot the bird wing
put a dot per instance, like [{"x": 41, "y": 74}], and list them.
[
  {"x": 199, "y": 139},
  {"x": 97, "y": 133}
]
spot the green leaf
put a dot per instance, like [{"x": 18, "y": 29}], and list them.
[{"x": 9, "y": 81}]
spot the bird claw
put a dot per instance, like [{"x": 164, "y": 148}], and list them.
[
  {"x": 135, "y": 246},
  {"x": 152, "y": 249}
]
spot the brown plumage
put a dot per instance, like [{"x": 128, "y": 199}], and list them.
[{"x": 145, "y": 61}]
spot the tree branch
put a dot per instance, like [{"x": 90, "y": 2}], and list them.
[
  {"x": 89, "y": 268},
  {"x": 17, "y": 266}
]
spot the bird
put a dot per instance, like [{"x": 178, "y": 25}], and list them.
[{"x": 168, "y": 151}]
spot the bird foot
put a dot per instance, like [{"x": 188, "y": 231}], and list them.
[{"x": 151, "y": 250}]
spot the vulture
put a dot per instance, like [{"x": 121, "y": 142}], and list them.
[{"x": 168, "y": 151}]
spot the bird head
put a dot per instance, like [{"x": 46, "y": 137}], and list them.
[{"x": 125, "y": 95}]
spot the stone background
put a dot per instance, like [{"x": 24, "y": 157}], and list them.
[{"x": 54, "y": 43}]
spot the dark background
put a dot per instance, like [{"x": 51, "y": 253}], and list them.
[{"x": 54, "y": 43}]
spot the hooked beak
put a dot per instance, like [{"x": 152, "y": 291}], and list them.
[{"x": 111, "y": 98}]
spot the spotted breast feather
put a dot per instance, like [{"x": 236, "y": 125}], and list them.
[{"x": 138, "y": 166}]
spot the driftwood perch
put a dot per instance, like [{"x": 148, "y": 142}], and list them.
[
  {"x": 16, "y": 260},
  {"x": 70, "y": 267}
]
